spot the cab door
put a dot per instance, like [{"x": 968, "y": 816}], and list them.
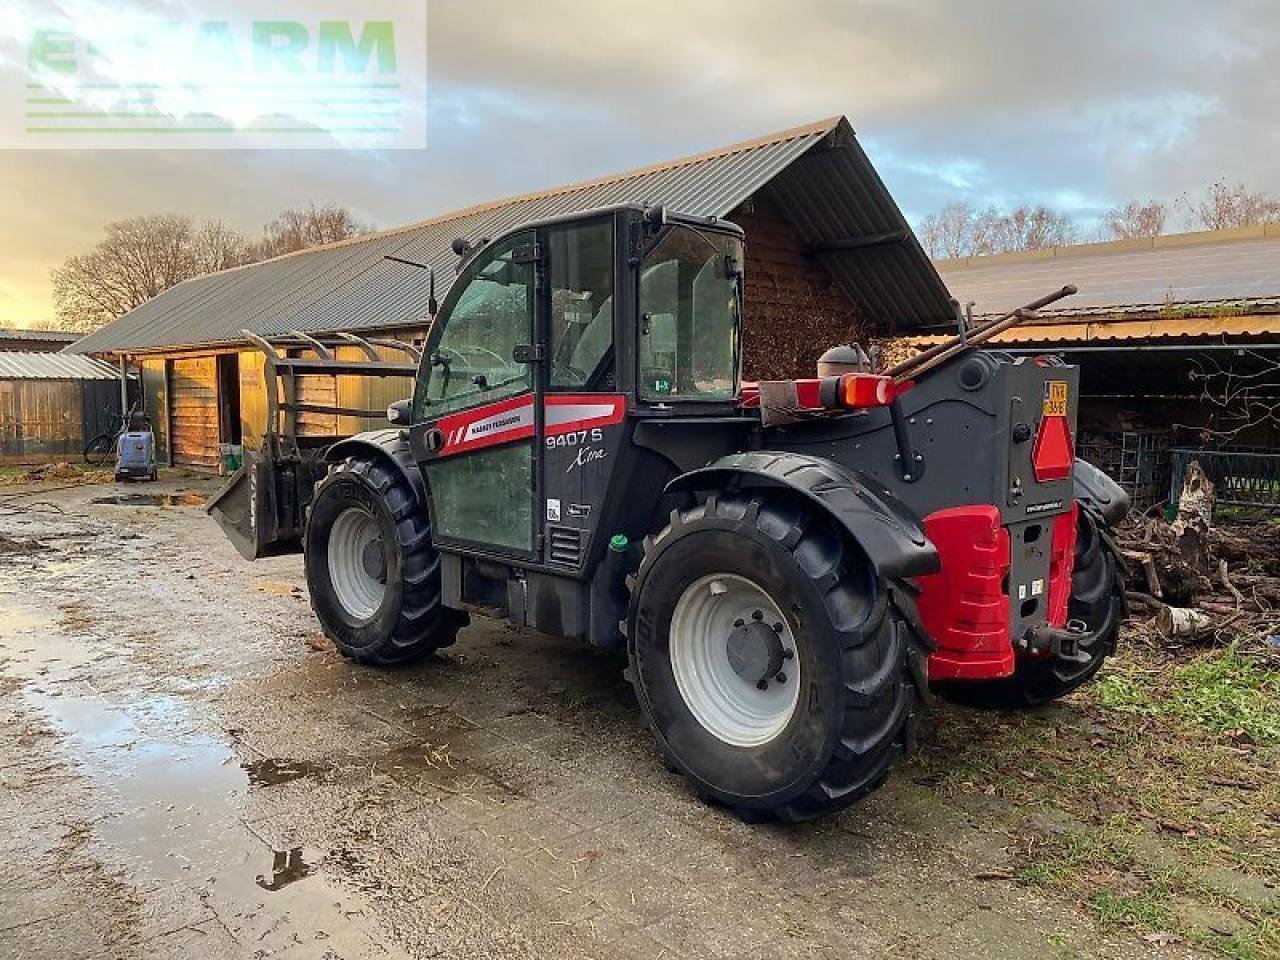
[{"x": 476, "y": 404}]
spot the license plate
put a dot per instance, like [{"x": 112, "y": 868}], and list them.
[{"x": 1055, "y": 398}]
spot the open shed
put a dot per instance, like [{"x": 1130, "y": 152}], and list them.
[{"x": 52, "y": 403}]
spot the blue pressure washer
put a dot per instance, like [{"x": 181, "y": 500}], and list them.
[{"x": 136, "y": 449}]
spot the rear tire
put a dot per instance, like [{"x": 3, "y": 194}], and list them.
[
  {"x": 373, "y": 575},
  {"x": 1097, "y": 599},
  {"x": 829, "y": 734}
]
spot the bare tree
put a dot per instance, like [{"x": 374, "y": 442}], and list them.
[
  {"x": 297, "y": 229},
  {"x": 957, "y": 230},
  {"x": 215, "y": 246},
  {"x": 1023, "y": 228},
  {"x": 948, "y": 233},
  {"x": 1223, "y": 206},
  {"x": 137, "y": 259},
  {"x": 1136, "y": 220}
]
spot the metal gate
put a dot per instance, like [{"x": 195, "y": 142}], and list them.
[{"x": 193, "y": 412}]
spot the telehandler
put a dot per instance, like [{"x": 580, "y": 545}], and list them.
[{"x": 790, "y": 566}]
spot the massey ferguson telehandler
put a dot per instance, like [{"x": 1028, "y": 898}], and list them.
[{"x": 790, "y": 566}]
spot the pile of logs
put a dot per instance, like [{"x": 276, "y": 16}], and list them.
[{"x": 1202, "y": 580}]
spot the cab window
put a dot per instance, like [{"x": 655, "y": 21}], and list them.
[
  {"x": 581, "y": 322},
  {"x": 689, "y": 316},
  {"x": 471, "y": 362}
]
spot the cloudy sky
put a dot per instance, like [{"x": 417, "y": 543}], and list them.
[{"x": 1078, "y": 105}]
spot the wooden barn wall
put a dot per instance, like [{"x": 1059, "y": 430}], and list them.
[
  {"x": 193, "y": 411},
  {"x": 253, "y": 398},
  {"x": 155, "y": 400},
  {"x": 794, "y": 309},
  {"x": 370, "y": 393},
  {"x": 41, "y": 421}
]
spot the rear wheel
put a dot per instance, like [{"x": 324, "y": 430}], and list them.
[
  {"x": 373, "y": 575},
  {"x": 1097, "y": 601},
  {"x": 768, "y": 658}
]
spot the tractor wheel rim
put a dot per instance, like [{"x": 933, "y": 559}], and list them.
[
  {"x": 742, "y": 711},
  {"x": 359, "y": 591}
]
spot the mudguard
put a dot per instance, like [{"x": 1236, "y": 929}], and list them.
[
  {"x": 881, "y": 524},
  {"x": 391, "y": 446},
  {"x": 1099, "y": 494}
]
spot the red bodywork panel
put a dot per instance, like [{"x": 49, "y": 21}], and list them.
[
  {"x": 965, "y": 607},
  {"x": 1061, "y": 562}
]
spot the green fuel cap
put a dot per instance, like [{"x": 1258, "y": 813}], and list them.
[{"x": 619, "y": 542}]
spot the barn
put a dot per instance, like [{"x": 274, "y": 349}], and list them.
[
  {"x": 830, "y": 258},
  {"x": 52, "y": 404}
]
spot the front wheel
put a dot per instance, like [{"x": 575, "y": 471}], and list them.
[
  {"x": 373, "y": 575},
  {"x": 769, "y": 658}
]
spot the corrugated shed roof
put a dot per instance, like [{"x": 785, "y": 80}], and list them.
[
  {"x": 828, "y": 187},
  {"x": 62, "y": 336},
  {"x": 21, "y": 365},
  {"x": 1182, "y": 273},
  {"x": 1188, "y": 329}
]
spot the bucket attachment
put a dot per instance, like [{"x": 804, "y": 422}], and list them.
[{"x": 259, "y": 509}]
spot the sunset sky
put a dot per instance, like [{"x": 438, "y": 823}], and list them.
[{"x": 1077, "y": 105}]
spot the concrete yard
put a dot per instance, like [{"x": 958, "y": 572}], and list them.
[{"x": 189, "y": 770}]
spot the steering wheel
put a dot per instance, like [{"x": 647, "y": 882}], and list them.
[{"x": 469, "y": 348}]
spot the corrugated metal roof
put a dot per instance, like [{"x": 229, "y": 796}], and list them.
[
  {"x": 1187, "y": 272},
  {"x": 1190, "y": 329},
  {"x": 21, "y": 365},
  {"x": 61, "y": 336},
  {"x": 826, "y": 183}
]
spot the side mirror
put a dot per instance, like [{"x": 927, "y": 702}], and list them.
[{"x": 400, "y": 413}]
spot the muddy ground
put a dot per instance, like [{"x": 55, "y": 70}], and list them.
[{"x": 188, "y": 770}]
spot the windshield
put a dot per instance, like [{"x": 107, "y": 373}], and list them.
[
  {"x": 689, "y": 316},
  {"x": 472, "y": 360}
]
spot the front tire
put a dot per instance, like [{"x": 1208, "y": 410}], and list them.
[
  {"x": 732, "y": 595},
  {"x": 373, "y": 575}
]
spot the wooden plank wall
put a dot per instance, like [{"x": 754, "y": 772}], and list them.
[
  {"x": 193, "y": 411},
  {"x": 40, "y": 421}
]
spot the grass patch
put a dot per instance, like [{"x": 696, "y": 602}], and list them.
[
  {"x": 1224, "y": 691},
  {"x": 1149, "y": 909},
  {"x": 1136, "y": 796}
]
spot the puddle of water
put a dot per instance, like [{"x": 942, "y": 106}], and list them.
[
  {"x": 165, "y": 796},
  {"x": 276, "y": 770},
  {"x": 165, "y": 800},
  {"x": 152, "y": 500},
  {"x": 287, "y": 866}
]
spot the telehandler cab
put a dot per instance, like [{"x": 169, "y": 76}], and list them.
[{"x": 789, "y": 565}]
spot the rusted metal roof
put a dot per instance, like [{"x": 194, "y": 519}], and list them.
[
  {"x": 21, "y": 365},
  {"x": 1190, "y": 329},
  {"x": 822, "y": 177},
  {"x": 1208, "y": 275}
]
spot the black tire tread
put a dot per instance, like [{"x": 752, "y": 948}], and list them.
[
  {"x": 424, "y": 624},
  {"x": 880, "y": 698}
]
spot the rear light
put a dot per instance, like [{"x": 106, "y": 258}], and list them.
[
  {"x": 869, "y": 390},
  {"x": 1053, "y": 456}
]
